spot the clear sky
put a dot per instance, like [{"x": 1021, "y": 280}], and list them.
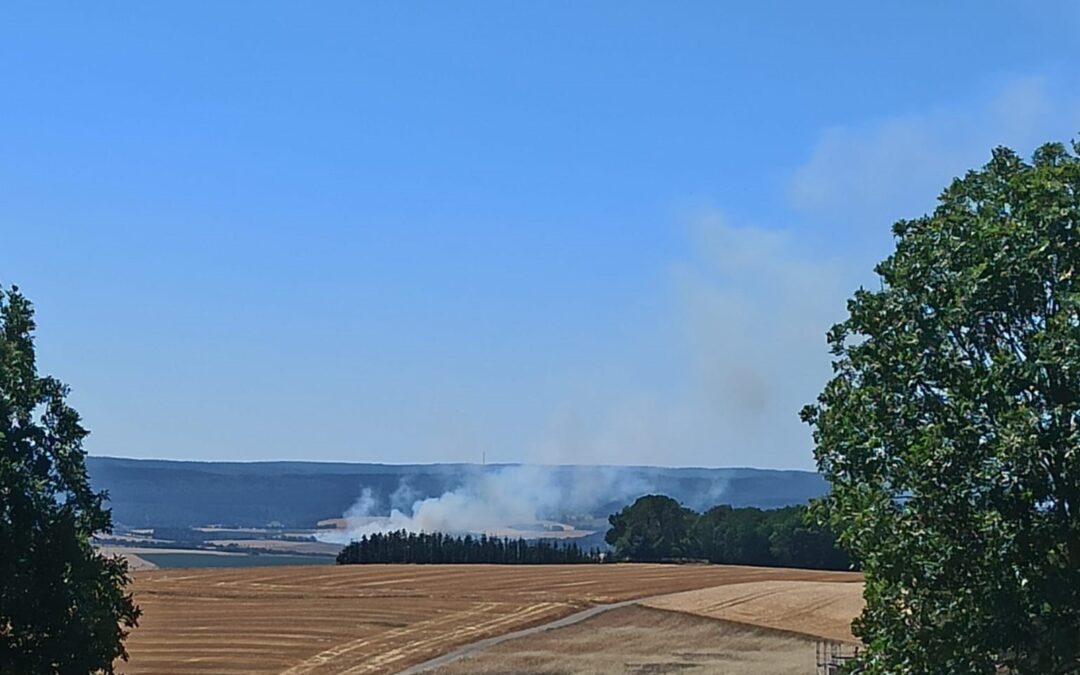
[{"x": 588, "y": 232}]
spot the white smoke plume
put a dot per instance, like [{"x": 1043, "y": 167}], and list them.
[{"x": 494, "y": 499}]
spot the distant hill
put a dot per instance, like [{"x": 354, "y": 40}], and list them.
[{"x": 146, "y": 493}]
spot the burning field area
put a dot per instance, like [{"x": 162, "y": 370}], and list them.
[{"x": 382, "y": 619}]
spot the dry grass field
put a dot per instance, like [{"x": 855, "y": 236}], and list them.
[
  {"x": 643, "y": 641},
  {"x": 822, "y": 609},
  {"x": 380, "y": 619}
]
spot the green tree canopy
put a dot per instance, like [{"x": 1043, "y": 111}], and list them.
[
  {"x": 652, "y": 528},
  {"x": 658, "y": 528},
  {"x": 63, "y": 606},
  {"x": 950, "y": 430},
  {"x": 734, "y": 535}
]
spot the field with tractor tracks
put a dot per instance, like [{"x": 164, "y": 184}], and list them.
[{"x": 384, "y": 618}]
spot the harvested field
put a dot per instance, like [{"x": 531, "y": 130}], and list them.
[
  {"x": 819, "y": 609},
  {"x": 643, "y": 641},
  {"x": 379, "y": 618}
]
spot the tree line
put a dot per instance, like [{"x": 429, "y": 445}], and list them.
[
  {"x": 654, "y": 528},
  {"x": 439, "y": 548},
  {"x": 657, "y": 528}
]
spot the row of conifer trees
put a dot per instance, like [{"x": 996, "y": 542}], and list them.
[{"x": 436, "y": 547}]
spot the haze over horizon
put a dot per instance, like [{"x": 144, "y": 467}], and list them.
[{"x": 587, "y": 233}]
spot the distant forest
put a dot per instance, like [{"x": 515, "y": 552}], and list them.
[
  {"x": 438, "y": 548},
  {"x": 655, "y": 528}
]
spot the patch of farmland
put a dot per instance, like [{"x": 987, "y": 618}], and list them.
[
  {"x": 379, "y": 618},
  {"x": 188, "y": 559},
  {"x": 637, "y": 639},
  {"x": 140, "y": 550},
  {"x": 280, "y": 545},
  {"x": 819, "y": 609},
  {"x": 146, "y": 557}
]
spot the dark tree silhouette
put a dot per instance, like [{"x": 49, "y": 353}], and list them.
[
  {"x": 439, "y": 548},
  {"x": 63, "y": 606}
]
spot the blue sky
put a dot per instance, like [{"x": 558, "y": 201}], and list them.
[{"x": 588, "y": 232}]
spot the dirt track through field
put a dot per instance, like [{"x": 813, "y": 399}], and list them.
[{"x": 379, "y": 619}]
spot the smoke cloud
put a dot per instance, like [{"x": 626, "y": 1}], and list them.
[{"x": 498, "y": 500}]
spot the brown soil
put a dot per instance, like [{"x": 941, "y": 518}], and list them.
[{"x": 379, "y": 618}]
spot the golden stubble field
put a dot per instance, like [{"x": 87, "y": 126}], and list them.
[
  {"x": 382, "y": 618},
  {"x": 642, "y": 641}
]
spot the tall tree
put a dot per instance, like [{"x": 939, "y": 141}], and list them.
[
  {"x": 652, "y": 528},
  {"x": 951, "y": 430},
  {"x": 63, "y": 606}
]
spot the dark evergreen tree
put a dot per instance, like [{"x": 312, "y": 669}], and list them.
[{"x": 425, "y": 548}]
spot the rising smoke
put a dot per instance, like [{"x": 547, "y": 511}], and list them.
[{"x": 490, "y": 499}]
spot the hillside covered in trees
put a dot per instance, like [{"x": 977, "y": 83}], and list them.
[{"x": 656, "y": 528}]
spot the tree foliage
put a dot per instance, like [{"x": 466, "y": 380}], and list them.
[
  {"x": 657, "y": 528},
  {"x": 63, "y": 607},
  {"x": 653, "y": 528},
  {"x": 950, "y": 431},
  {"x": 439, "y": 548}
]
